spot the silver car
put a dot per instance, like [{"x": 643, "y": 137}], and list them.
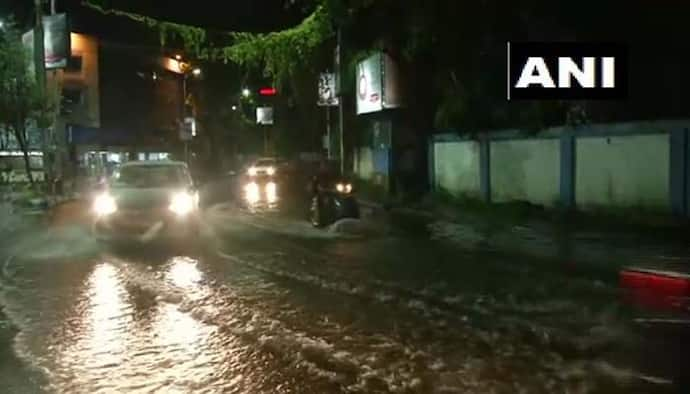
[{"x": 145, "y": 201}]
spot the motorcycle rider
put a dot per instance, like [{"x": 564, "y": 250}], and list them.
[{"x": 324, "y": 178}]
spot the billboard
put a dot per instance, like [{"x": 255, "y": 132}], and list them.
[
  {"x": 327, "y": 90},
  {"x": 369, "y": 88},
  {"x": 56, "y": 42},
  {"x": 28, "y": 42},
  {"x": 378, "y": 84},
  {"x": 393, "y": 95},
  {"x": 264, "y": 115}
]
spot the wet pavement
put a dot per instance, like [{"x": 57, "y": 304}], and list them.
[{"x": 272, "y": 305}]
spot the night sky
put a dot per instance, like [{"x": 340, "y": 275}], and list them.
[{"x": 238, "y": 15}]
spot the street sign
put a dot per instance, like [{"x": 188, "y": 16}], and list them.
[
  {"x": 188, "y": 129},
  {"x": 327, "y": 92},
  {"x": 264, "y": 115}
]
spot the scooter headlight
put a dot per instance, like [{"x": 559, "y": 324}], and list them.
[
  {"x": 182, "y": 203},
  {"x": 343, "y": 187},
  {"x": 104, "y": 205}
]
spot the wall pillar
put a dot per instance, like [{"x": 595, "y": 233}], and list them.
[
  {"x": 567, "y": 180},
  {"x": 485, "y": 168},
  {"x": 679, "y": 174},
  {"x": 431, "y": 163}
]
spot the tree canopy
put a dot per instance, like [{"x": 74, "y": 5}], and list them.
[
  {"x": 452, "y": 53},
  {"x": 278, "y": 54},
  {"x": 20, "y": 98}
]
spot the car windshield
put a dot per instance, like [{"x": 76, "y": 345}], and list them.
[
  {"x": 265, "y": 163},
  {"x": 149, "y": 176}
]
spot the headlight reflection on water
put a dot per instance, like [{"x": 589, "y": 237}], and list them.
[
  {"x": 251, "y": 192},
  {"x": 254, "y": 193},
  {"x": 184, "y": 272},
  {"x": 108, "y": 316},
  {"x": 271, "y": 192},
  {"x": 131, "y": 331}
]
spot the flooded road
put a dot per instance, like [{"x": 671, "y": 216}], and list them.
[{"x": 272, "y": 305}]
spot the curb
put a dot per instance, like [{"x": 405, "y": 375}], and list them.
[{"x": 381, "y": 207}]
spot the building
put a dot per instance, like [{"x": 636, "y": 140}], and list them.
[{"x": 139, "y": 107}]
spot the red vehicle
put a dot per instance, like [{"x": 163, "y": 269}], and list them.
[{"x": 659, "y": 290}]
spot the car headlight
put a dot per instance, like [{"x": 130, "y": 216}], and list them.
[
  {"x": 270, "y": 170},
  {"x": 348, "y": 188},
  {"x": 182, "y": 203},
  {"x": 251, "y": 171},
  {"x": 104, "y": 204}
]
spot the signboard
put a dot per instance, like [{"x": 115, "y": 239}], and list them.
[
  {"x": 369, "y": 88},
  {"x": 378, "y": 85},
  {"x": 264, "y": 115},
  {"x": 327, "y": 90},
  {"x": 393, "y": 96},
  {"x": 188, "y": 129},
  {"x": 28, "y": 42},
  {"x": 56, "y": 42},
  {"x": 185, "y": 135}
]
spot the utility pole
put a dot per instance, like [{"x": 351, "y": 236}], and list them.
[
  {"x": 328, "y": 132},
  {"x": 266, "y": 150},
  {"x": 184, "y": 115},
  {"x": 40, "y": 71},
  {"x": 340, "y": 100},
  {"x": 58, "y": 137}
]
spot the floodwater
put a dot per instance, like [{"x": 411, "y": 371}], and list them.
[{"x": 271, "y": 305}]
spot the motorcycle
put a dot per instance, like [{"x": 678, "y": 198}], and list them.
[{"x": 332, "y": 202}]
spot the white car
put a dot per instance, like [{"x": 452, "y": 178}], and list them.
[
  {"x": 147, "y": 200},
  {"x": 265, "y": 166}
]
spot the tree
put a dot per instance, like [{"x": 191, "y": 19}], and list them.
[{"x": 21, "y": 100}]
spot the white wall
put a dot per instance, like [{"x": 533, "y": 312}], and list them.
[
  {"x": 456, "y": 168},
  {"x": 526, "y": 170},
  {"x": 627, "y": 171}
]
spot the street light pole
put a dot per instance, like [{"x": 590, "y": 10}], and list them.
[
  {"x": 340, "y": 101},
  {"x": 57, "y": 136},
  {"x": 40, "y": 71},
  {"x": 184, "y": 114}
]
